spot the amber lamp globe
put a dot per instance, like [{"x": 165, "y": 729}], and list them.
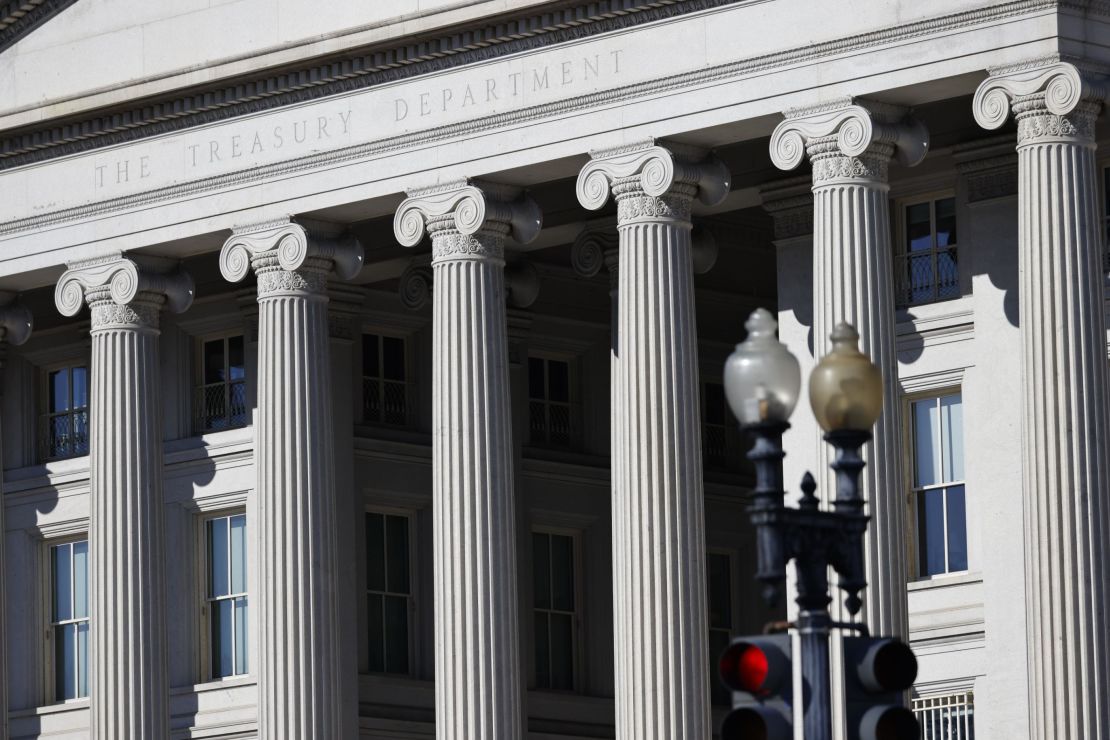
[
  {"x": 846, "y": 389},
  {"x": 762, "y": 379}
]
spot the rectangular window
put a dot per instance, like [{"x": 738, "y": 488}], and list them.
[
  {"x": 555, "y": 612},
  {"x": 946, "y": 717},
  {"x": 938, "y": 482},
  {"x": 65, "y": 430},
  {"x": 221, "y": 395},
  {"x": 926, "y": 267},
  {"x": 69, "y": 619},
  {"x": 388, "y": 592},
  {"x": 719, "y": 579},
  {"x": 384, "y": 390},
  {"x": 226, "y": 541},
  {"x": 550, "y": 412}
]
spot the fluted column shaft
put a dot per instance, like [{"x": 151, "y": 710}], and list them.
[
  {"x": 853, "y": 282},
  {"x": 661, "y": 631},
  {"x": 127, "y": 652},
  {"x": 1065, "y": 426}
]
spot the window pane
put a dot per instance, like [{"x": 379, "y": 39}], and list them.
[
  {"x": 543, "y": 654},
  {"x": 63, "y": 585},
  {"x": 952, "y": 437},
  {"x": 375, "y": 552},
  {"x": 80, "y": 387},
  {"x": 918, "y": 228},
  {"x": 562, "y": 652},
  {"x": 541, "y": 570},
  {"x": 59, "y": 390},
  {"x": 396, "y": 634},
  {"x": 370, "y": 365},
  {"x": 957, "y": 529},
  {"x": 562, "y": 573},
  {"x": 397, "y": 554},
  {"x": 926, "y": 460},
  {"x": 535, "y": 378},
  {"x": 80, "y": 443},
  {"x": 82, "y": 659},
  {"x": 222, "y": 641},
  {"x": 720, "y": 591},
  {"x": 65, "y": 662},
  {"x": 558, "y": 381},
  {"x": 714, "y": 403},
  {"x": 217, "y": 557},
  {"x": 393, "y": 351},
  {"x": 240, "y": 636},
  {"x": 214, "y": 361},
  {"x": 930, "y": 533},
  {"x": 375, "y": 632},
  {"x": 236, "y": 358},
  {"x": 239, "y": 554},
  {"x": 946, "y": 221},
  {"x": 80, "y": 580}
]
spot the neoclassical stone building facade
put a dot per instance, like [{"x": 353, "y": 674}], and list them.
[{"x": 362, "y": 364}]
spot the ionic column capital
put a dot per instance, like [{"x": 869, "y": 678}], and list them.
[
  {"x": 467, "y": 219},
  {"x": 291, "y": 257},
  {"x": 595, "y": 247},
  {"x": 652, "y": 181},
  {"x": 849, "y": 140},
  {"x": 416, "y": 283},
  {"x": 1052, "y": 100},
  {"x": 124, "y": 291},
  {"x": 16, "y": 321}
]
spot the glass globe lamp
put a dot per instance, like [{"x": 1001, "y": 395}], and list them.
[
  {"x": 846, "y": 389},
  {"x": 762, "y": 378}
]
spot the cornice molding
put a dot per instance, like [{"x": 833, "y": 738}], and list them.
[{"x": 18, "y": 18}]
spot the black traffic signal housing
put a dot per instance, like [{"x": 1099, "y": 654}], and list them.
[
  {"x": 758, "y": 670},
  {"x": 877, "y": 673}
]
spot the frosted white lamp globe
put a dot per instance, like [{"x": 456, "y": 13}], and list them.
[{"x": 762, "y": 378}]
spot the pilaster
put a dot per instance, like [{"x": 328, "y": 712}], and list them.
[
  {"x": 661, "y": 651},
  {"x": 1065, "y": 401},
  {"x": 850, "y": 144},
  {"x": 477, "y": 662},
  {"x": 127, "y": 655},
  {"x": 15, "y": 327},
  {"x": 299, "y": 662}
]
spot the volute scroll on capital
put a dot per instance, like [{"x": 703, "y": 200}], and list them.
[
  {"x": 658, "y": 170},
  {"x": 114, "y": 288},
  {"x": 457, "y": 212},
  {"x": 857, "y": 127},
  {"x": 294, "y": 245},
  {"x": 1064, "y": 85}
]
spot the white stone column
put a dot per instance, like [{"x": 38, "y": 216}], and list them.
[
  {"x": 15, "y": 327},
  {"x": 850, "y": 145},
  {"x": 129, "y": 685},
  {"x": 1065, "y": 402},
  {"x": 662, "y": 670},
  {"x": 477, "y": 663},
  {"x": 298, "y": 664}
]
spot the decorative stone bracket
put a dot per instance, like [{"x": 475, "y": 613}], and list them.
[
  {"x": 121, "y": 280},
  {"x": 857, "y": 126}
]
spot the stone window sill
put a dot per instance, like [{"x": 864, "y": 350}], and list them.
[{"x": 944, "y": 581}]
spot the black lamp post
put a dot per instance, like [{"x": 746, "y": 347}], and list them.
[{"x": 762, "y": 382}]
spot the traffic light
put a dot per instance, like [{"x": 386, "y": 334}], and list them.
[
  {"x": 758, "y": 671},
  {"x": 878, "y": 671}
]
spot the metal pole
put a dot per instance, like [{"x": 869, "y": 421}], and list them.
[{"x": 813, "y": 627}]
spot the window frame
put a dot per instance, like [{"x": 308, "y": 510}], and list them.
[
  {"x": 573, "y": 402},
  {"x": 198, "y": 429},
  {"x": 205, "y": 669},
  {"x": 45, "y": 414},
  {"x": 901, "y": 252},
  {"x": 577, "y": 632},
  {"x": 914, "y": 491},
  {"x": 733, "y": 457},
  {"x": 411, "y": 516},
  {"x": 49, "y": 673},
  {"x": 408, "y": 382}
]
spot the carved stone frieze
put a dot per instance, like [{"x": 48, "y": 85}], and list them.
[
  {"x": 849, "y": 140},
  {"x": 124, "y": 291},
  {"x": 652, "y": 181},
  {"x": 467, "y": 219}
]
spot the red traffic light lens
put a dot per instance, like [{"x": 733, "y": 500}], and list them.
[{"x": 744, "y": 667}]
